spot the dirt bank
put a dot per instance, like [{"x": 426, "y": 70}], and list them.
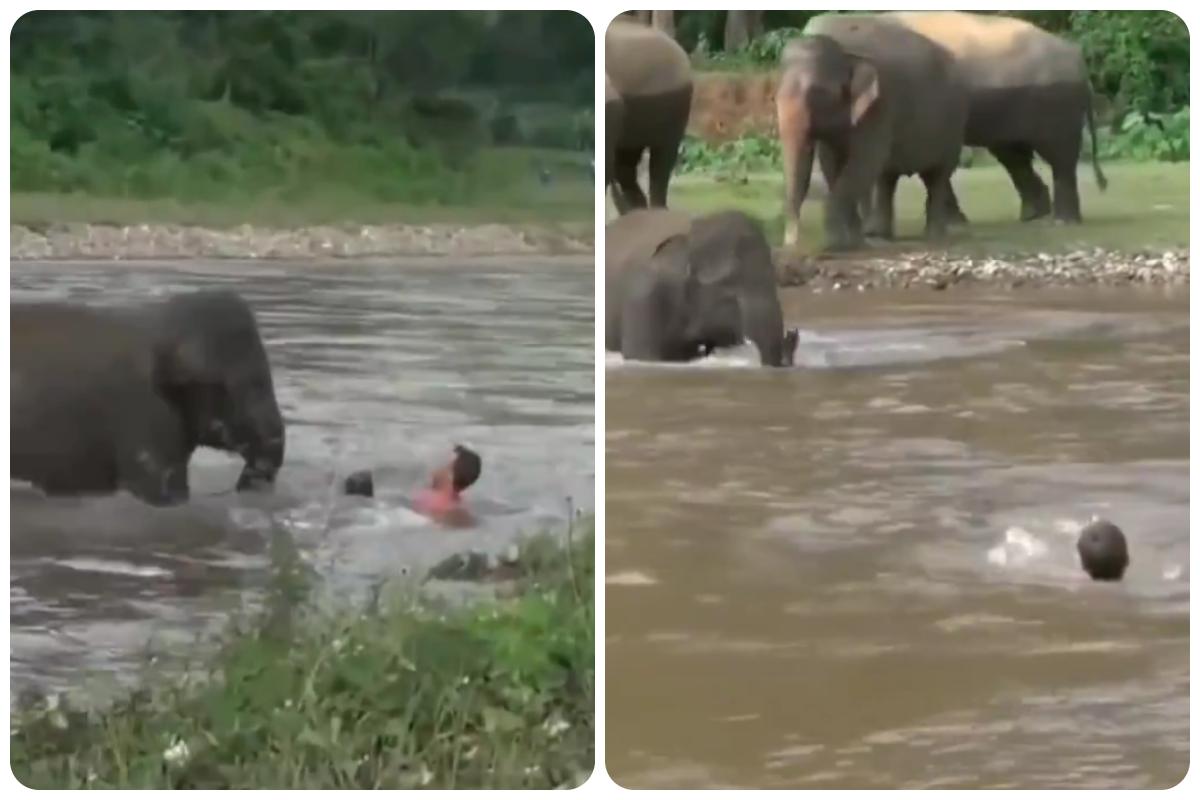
[
  {"x": 940, "y": 270},
  {"x": 730, "y": 105},
  {"x": 72, "y": 241}
]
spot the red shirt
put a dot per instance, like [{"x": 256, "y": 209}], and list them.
[{"x": 445, "y": 507}]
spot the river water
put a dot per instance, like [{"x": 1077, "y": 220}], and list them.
[
  {"x": 861, "y": 573},
  {"x": 377, "y": 366}
]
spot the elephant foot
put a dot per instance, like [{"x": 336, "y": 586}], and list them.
[
  {"x": 1035, "y": 210},
  {"x": 843, "y": 245},
  {"x": 878, "y": 230},
  {"x": 957, "y": 217}
]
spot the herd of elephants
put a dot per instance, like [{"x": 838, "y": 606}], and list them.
[{"x": 873, "y": 97}]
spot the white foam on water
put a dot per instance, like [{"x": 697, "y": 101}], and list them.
[
  {"x": 113, "y": 567},
  {"x": 630, "y": 578},
  {"x": 1019, "y": 547},
  {"x": 743, "y": 356}
]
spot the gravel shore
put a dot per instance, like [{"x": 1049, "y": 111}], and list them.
[
  {"x": 74, "y": 241},
  {"x": 940, "y": 270}
]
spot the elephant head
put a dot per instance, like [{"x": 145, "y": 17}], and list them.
[
  {"x": 824, "y": 92},
  {"x": 707, "y": 284},
  {"x": 210, "y": 363}
]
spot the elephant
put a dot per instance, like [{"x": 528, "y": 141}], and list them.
[
  {"x": 110, "y": 399},
  {"x": 614, "y": 115},
  {"x": 653, "y": 76},
  {"x": 676, "y": 287},
  {"x": 1029, "y": 93},
  {"x": 874, "y": 102}
]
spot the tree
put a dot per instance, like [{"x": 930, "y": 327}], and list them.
[{"x": 741, "y": 27}]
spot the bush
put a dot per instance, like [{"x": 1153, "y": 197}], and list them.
[
  {"x": 1150, "y": 137},
  {"x": 733, "y": 159}
]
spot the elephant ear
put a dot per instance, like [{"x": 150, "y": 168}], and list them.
[
  {"x": 179, "y": 363},
  {"x": 864, "y": 89}
]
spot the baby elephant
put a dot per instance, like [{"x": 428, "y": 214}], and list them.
[
  {"x": 107, "y": 399},
  {"x": 678, "y": 287}
]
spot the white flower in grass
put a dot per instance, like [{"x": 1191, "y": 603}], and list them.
[{"x": 177, "y": 754}]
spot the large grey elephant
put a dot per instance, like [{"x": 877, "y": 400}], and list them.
[
  {"x": 676, "y": 287},
  {"x": 653, "y": 76},
  {"x": 110, "y": 399},
  {"x": 1029, "y": 93},
  {"x": 873, "y": 109}
]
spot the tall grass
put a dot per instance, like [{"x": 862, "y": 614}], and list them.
[{"x": 406, "y": 692}]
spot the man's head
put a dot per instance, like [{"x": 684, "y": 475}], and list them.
[
  {"x": 466, "y": 467},
  {"x": 462, "y": 471}
]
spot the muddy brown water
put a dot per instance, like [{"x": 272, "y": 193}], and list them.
[
  {"x": 861, "y": 573},
  {"x": 382, "y": 366}
]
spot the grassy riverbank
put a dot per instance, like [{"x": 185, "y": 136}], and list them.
[
  {"x": 405, "y": 693},
  {"x": 1146, "y": 206},
  {"x": 510, "y": 191}
]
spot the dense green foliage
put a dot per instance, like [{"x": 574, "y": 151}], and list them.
[
  {"x": 406, "y": 694},
  {"x": 204, "y": 105}
]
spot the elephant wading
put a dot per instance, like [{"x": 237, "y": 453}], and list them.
[
  {"x": 875, "y": 102},
  {"x": 111, "y": 399},
  {"x": 676, "y": 287},
  {"x": 653, "y": 77},
  {"x": 1029, "y": 93}
]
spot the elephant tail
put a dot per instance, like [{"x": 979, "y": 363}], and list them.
[{"x": 1101, "y": 181}]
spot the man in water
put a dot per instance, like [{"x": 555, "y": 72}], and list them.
[{"x": 441, "y": 501}]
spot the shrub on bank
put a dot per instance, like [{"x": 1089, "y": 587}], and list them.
[{"x": 403, "y": 694}]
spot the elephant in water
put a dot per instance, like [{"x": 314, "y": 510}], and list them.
[
  {"x": 676, "y": 287},
  {"x": 111, "y": 399}
]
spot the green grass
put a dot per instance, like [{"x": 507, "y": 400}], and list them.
[
  {"x": 407, "y": 692},
  {"x": 1146, "y": 206},
  {"x": 509, "y": 192}
]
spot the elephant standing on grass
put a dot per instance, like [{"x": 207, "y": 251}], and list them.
[
  {"x": 874, "y": 102},
  {"x": 652, "y": 75},
  {"x": 676, "y": 288},
  {"x": 107, "y": 399},
  {"x": 1029, "y": 93}
]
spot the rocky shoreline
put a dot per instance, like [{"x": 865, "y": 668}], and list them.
[
  {"x": 84, "y": 241},
  {"x": 940, "y": 270}
]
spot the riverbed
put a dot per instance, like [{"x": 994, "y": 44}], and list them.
[
  {"x": 860, "y": 573},
  {"x": 383, "y": 366}
]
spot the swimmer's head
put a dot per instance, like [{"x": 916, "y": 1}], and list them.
[
  {"x": 466, "y": 468},
  {"x": 462, "y": 471}
]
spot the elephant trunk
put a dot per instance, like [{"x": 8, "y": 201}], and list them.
[
  {"x": 796, "y": 140},
  {"x": 264, "y": 455}
]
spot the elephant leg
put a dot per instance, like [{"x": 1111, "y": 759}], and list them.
[
  {"x": 1063, "y": 159},
  {"x": 626, "y": 168},
  {"x": 152, "y": 476},
  {"x": 937, "y": 201},
  {"x": 662, "y": 164},
  {"x": 954, "y": 212},
  {"x": 843, "y": 228},
  {"x": 1017, "y": 160},
  {"x": 882, "y": 220}
]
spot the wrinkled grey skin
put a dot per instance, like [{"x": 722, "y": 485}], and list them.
[
  {"x": 676, "y": 288},
  {"x": 652, "y": 75},
  {"x": 873, "y": 102},
  {"x": 118, "y": 399},
  {"x": 1029, "y": 93}
]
